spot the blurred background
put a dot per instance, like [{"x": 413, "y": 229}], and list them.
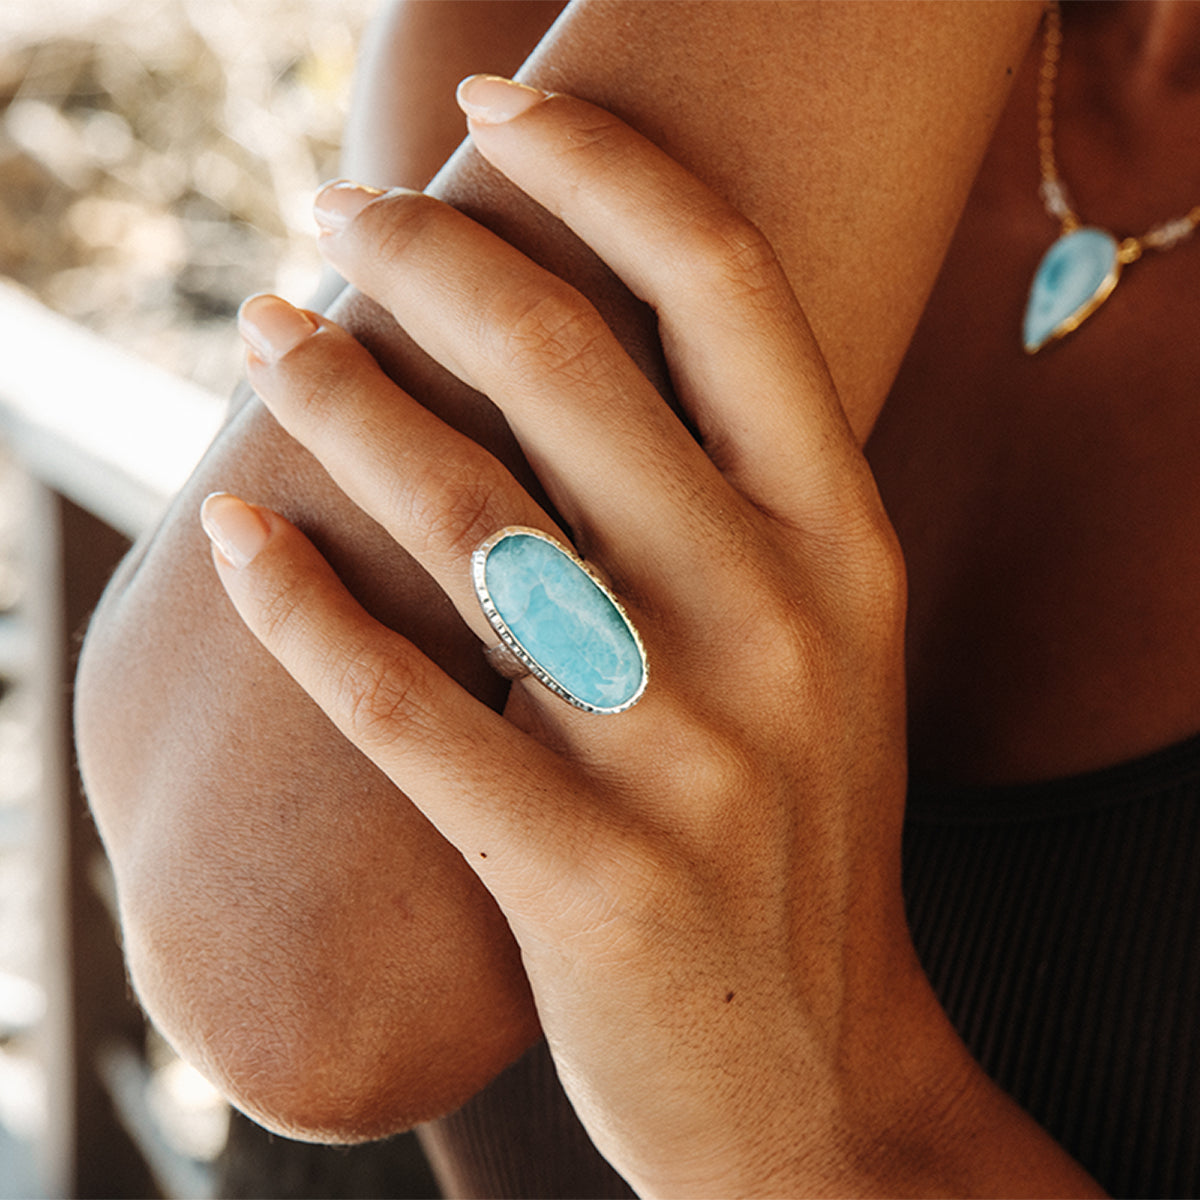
[
  {"x": 158, "y": 160},
  {"x": 157, "y": 163}
]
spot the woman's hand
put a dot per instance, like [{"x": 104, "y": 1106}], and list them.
[{"x": 705, "y": 888}]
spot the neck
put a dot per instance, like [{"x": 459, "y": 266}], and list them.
[
  {"x": 1127, "y": 108},
  {"x": 1152, "y": 47},
  {"x": 1171, "y": 49}
]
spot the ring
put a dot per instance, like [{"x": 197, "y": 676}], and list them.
[
  {"x": 504, "y": 662},
  {"x": 557, "y": 621}
]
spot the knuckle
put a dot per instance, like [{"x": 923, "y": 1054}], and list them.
[
  {"x": 718, "y": 772},
  {"x": 776, "y": 628},
  {"x": 873, "y": 575},
  {"x": 731, "y": 254},
  {"x": 856, "y": 549},
  {"x": 554, "y": 335},
  {"x": 639, "y": 891},
  {"x": 788, "y": 643},
  {"x": 598, "y": 142},
  {"x": 884, "y": 573},
  {"x": 451, "y": 509},
  {"x": 281, "y": 610},
  {"x": 313, "y": 385},
  {"x": 397, "y": 222},
  {"x": 374, "y": 695}
]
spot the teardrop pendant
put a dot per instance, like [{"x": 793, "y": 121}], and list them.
[{"x": 1076, "y": 275}]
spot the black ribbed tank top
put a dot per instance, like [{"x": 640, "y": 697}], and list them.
[{"x": 1060, "y": 926}]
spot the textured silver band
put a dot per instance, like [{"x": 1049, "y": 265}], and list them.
[{"x": 504, "y": 662}]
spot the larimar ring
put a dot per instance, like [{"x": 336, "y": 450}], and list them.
[{"x": 557, "y": 621}]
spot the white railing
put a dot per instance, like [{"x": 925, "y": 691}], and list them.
[
  {"x": 96, "y": 424},
  {"x": 104, "y": 439}
]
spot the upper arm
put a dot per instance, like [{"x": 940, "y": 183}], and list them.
[
  {"x": 404, "y": 123},
  {"x": 850, "y": 133}
]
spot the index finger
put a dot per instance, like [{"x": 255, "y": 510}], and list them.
[{"x": 743, "y": 358}]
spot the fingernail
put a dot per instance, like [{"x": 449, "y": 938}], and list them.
[
  {"x": 338, "y": 203},
  {"x": 271, "y": 326},
  {"x": 492, "y": 99},
  {"x": 236, "y": 530}
]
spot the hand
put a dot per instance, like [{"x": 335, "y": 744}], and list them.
[{"x": 705, "y": 889}]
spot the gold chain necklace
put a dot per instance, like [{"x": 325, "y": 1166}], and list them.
[{"x": 1078, "y": 273}]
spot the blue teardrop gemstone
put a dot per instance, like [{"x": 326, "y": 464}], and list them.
[
  {"x": 565, "y": 623},
  {"x": 1076, "y": 275}
]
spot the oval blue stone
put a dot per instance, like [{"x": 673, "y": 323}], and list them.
[
  {"x": 563, "y": 620},
  {"x": 1074, "y": 276}
]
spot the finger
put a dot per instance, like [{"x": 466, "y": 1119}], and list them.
[
  {"x": 437, "y": 492},
  {"x": 611, "y": 455},
  {"x": 743, "y": 358},
  {"x": 505, "y": 801}
]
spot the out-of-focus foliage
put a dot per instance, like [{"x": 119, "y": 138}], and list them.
[{"x": 158, "y": 158}]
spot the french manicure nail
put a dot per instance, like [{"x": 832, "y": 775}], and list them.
[
  {"x": 271, "y": 326},
  {"x": 338, "y": 203},
  {"x": 492, "y": 99},
  {"x": 236, "y": 530}
]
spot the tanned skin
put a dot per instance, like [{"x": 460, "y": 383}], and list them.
[{"x": 365, "y": 978}]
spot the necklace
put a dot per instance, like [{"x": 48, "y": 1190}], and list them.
[{"x": 1079, "y": 271}]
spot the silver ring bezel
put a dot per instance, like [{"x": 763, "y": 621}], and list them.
[{"x": 479, "y": 558}]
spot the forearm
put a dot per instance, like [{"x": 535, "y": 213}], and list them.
[{"x": 290, "y": 921}]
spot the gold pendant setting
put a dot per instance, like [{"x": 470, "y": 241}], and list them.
[{"x": 1076, "y": 275}]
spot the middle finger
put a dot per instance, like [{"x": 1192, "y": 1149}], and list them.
[
  {"x": 436, "y": 492},
  {"x": 615, "y": 460}
]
